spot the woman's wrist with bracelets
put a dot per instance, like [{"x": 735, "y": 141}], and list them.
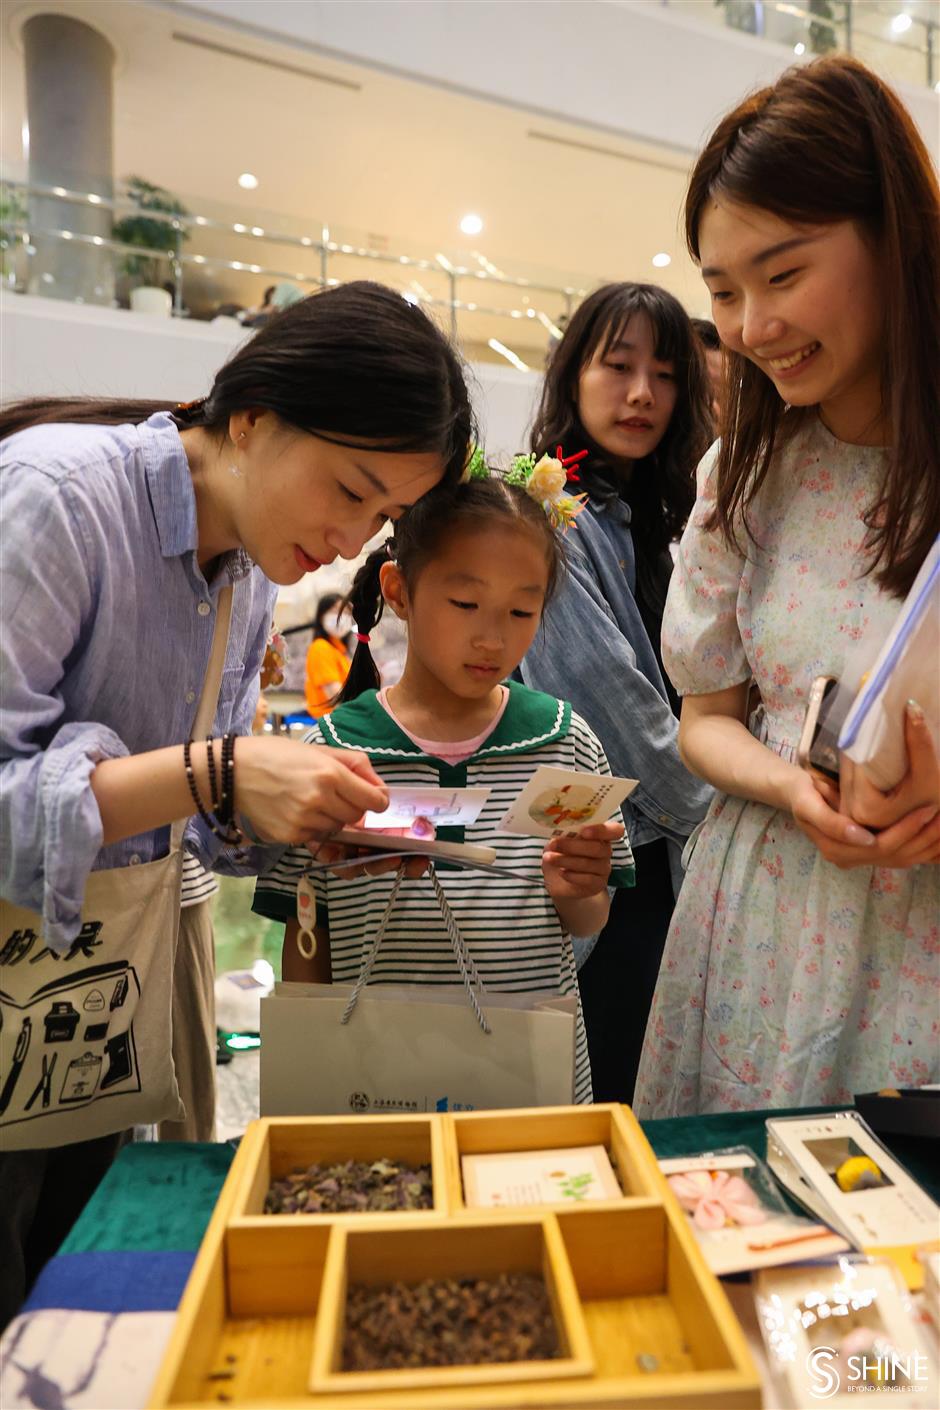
[{"x": 219, "y": 816}]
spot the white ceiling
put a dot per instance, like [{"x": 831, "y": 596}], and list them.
[{"x": 382, "y": 160}]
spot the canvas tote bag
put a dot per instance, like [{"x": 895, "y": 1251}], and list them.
[
  {"x": 328, "y": 1048},
  {"x": 85, "y": 1041}
]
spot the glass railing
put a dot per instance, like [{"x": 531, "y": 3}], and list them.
[
  {"x": 77, "y": 244},
  {"x": 900, "y": 38}
]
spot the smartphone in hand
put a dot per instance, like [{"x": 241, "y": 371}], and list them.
[{"x": 817, "y": 750}]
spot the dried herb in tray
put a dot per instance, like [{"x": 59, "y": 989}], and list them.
[
  {"x": 351, "y": 1186},
  {"x": 449, "y": 1322}
]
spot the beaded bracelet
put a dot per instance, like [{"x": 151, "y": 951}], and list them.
[
  {"x": 227, "y": 831},
  {"x": 226, "y": 809},
  {"x": 214, "y": 796}
]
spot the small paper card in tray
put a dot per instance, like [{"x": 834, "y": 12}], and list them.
[{"x": 570, "y": 1175}]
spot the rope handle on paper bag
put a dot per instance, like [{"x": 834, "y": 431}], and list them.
[{"x": 468, "y": 970}]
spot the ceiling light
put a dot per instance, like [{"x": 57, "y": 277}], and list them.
[
  {"x": 662, "y": 259},
  {"x": 471, "y": 224},
  {"x": 799, "y": 48},
  {"x": 508, "y": 354},
  {"x": 257, "y": 230},
  {"x": 546, "y": 322},
  {"x": 247, "y": 181},
  {"x": 901, "y": 24}
]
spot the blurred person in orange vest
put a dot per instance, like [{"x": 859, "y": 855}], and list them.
[{"x": 328, "y": 655}]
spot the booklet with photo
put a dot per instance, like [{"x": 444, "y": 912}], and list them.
[
  {"x": 443, "y": 807},
  {"x": 407, "y": 828},
  {"x": 839, "y": 1169},
  {"x": 564, "y": 801}
]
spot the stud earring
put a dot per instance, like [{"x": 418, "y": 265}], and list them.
[{"x": 234, "y": 469}]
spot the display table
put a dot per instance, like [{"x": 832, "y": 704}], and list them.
[{"x": 109, "y": 1295}]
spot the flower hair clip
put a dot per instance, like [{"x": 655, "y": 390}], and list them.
[{"x": 545, "y": 480}]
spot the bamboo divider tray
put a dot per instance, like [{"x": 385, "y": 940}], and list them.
[{"x": 261, "y": 1317}]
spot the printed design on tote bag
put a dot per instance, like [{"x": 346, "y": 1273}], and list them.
[{"x": 69, "y": 1040}]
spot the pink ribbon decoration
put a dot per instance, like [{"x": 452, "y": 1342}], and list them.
[{"x": 716, "y": 1198}]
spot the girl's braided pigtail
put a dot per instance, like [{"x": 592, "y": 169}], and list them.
[{"x": 365, "y": 601}]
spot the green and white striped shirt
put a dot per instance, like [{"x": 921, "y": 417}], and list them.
[{"x": 511, "y": 929}]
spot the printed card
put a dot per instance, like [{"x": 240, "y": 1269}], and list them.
[
  {"x": 563, "y": 801},
  {"x": 568, "y": 1176},
  {"x": 444, "y": 807}
]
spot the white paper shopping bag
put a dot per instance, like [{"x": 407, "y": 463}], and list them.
[{"x": 412, "y": 1048}]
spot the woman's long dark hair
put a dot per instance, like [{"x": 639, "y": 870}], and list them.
[
  {"x": 830, "y": 142},
  {"x": 421, "y": 532},
  {"x": 661, "y": 489},
  {"x": 355, "y": 364}
]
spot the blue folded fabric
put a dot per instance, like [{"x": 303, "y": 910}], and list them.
[{"x": 151, "y": 1281}]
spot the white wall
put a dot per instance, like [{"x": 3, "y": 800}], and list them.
[
  {"x": 630, "y": 67},
  {"x": 52, "y": 348}
]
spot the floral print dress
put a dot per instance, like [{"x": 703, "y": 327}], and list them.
[{"x": 786, "y": 981}]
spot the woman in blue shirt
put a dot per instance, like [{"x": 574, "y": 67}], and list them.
[
  {"x": 126, "y": 529},
  {"x": 628, "y": 384}
]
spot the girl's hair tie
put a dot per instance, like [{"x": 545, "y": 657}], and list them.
[
  {"x": 189, "y": 410},
  {"x": 362, "y": 636}
]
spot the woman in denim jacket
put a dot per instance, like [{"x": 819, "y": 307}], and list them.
[{"x": 627, "y": 383}]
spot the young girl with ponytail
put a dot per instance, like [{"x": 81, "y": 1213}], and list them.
[{"x": 469, "y": 570}]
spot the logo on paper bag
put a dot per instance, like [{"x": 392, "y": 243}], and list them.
[{"x": 359, "y": 1101}]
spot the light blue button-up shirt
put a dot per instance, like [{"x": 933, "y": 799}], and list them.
[{"x": 107, "y": 622}]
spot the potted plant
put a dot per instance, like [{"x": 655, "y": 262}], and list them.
[
  {"x": 12, "y": 211},
  {"x": 148, "y": 232}
]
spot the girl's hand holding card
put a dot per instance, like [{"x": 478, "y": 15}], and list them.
[{"x": 580, "y": 865}]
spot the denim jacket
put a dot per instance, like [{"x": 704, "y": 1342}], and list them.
[{"x": 593, "y": 650}]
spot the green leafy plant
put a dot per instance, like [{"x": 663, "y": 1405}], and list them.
[
  {"x": 12, "y": 211},
  {"x": 821, "y": 33},
  {"x": 822, "y": 36},
  {"x": 147, "y": 231}
]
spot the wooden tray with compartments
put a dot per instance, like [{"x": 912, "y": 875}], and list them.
[{"x": 641, "y": 1321}]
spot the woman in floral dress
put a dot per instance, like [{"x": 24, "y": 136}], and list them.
[{"x": 803, "y": 962}]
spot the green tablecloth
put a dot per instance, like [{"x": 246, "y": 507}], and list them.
[{"x": 161, "y": 1196}]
